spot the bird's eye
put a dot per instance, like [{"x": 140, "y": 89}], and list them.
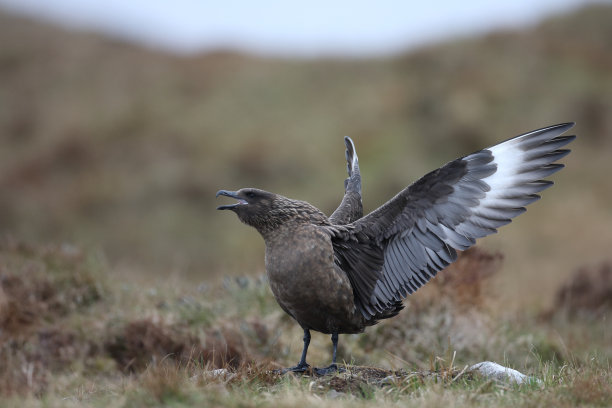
[{"x": 250, "y": 194}]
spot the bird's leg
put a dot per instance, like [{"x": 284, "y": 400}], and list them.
[
  {"x": 333, "y": 367},
  {"x": 334, "y": 339},
  {"x": 302, "y": 365},
  {"x": 306, "y": 340}
]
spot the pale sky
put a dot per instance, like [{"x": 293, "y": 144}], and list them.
[{"x": 313, "y": 28}]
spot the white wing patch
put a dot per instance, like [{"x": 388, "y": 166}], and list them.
[{"x": 521, "y": 164}]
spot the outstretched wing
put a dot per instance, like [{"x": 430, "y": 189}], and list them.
[
  {"x": 351, "y": 208},
  {"x": 400, "y": 246}
]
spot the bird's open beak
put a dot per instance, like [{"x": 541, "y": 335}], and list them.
[{"x": 232, "y": 194}]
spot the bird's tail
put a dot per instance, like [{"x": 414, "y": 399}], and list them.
[{"x": 392, "y": 311}]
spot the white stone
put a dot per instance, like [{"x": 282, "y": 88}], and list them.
[{"x": 500, "y": 373}]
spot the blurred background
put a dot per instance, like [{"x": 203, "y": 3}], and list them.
[{"x": 120, "y": 120}]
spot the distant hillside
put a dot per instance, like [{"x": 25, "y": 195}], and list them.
[{"x": 107, "y": 144}]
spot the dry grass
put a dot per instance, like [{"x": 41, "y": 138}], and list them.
[
  {"x": 41, "y": 289},
  {"x": 94, "y": 353},
  {"x": 588, "y": 290}
]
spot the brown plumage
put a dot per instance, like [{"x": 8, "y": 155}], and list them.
[{"x": 346, "y": 272}]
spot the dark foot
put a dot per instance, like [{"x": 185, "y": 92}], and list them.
[
  {"x": 300, "y": 368},
  {"x": 332, "y": 368}
]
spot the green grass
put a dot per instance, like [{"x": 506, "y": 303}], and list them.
[
  {"x": 99, "y": 342},
  {"x": 168, "y": 385}
]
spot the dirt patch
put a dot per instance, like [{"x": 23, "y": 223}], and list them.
[
  {"x": 23, "y": 302},
  {"x": 588, "y": 290},
  {"x": 224, "y": 347},
  {"x": 464, "y": 281},
  {"x": 141, "y": 343},
  {"x": 362, "y": 381}
]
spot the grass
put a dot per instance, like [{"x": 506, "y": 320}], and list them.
[
  {"x": 89, "y": 340},
  {"x": 171, "y": 385}
]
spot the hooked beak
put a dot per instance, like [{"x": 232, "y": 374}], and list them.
[{"x": 232, "y": 194}]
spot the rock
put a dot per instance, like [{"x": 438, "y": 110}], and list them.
[{"x": 500, "y": 373}]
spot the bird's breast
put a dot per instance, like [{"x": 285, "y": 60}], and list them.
[
  {"x": 298, "y": 258},
  {"x": 306, "y": 282}
]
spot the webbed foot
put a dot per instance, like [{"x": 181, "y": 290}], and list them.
[
  {"x": 330, "y": 369},
  {"x": 300, "y": 368}
]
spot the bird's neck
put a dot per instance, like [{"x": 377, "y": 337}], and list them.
[{"x": 290, "y": 216}]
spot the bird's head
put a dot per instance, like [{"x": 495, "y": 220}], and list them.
[
  {"x": 255, "y": 207},
  {"x": 266, "y": 211}
]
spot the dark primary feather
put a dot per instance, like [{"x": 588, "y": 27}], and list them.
[{"x": 397, "y": 248}]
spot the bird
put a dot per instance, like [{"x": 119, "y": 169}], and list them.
[{"x": 343, "y": 273}]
